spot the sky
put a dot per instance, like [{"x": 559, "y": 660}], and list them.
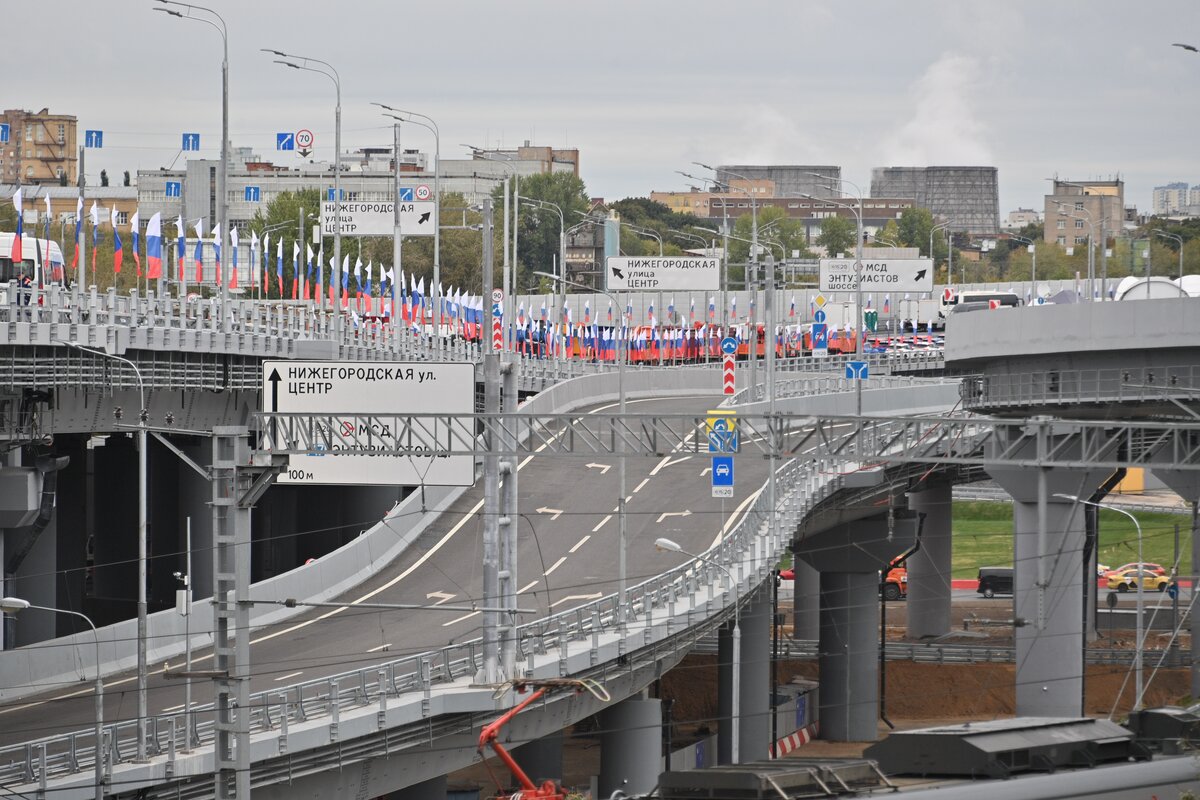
[{"x": 1081, "y": 89}]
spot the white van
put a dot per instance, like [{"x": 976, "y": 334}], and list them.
[
  {"x": 994, "y": 299},
  {"x": 41, "y": 259}
]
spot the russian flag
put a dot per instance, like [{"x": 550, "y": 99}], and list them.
[
  {"x": 887, "y": 304},
  {"x": 95, "y": 212},
  {"x": 154, "y": 247},
  {"x": 792, "y": 310},
  {"x": 134, "y": 225},
  {"x": 17, "y": 255},
  {"x": 78, "y": 230},
  {"x": 266, "y": 273},
  {"x": 296, "y": 270},
  {"x": 217, "y": 250},
  {"x": 181, "y": 244},
  {"x": 712, "y": 307},
  {"x": 199, "y": 255},
  {"x": 279, "y": 265},
  {"x": 118, "y": 256},
  {"x": 233, "y": 242}
]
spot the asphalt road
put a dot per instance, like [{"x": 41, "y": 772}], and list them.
[{"x": 568, "y": 555}]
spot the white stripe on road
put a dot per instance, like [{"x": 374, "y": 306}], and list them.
[
  {"x": 289, "y": 675},
  {"x": 580, "y": 543},
  {"x": 555, "y": 566},
  {"x": 380, "y": 647},
  {"x": 463, "y": 618},
  {"x": 600, "y": 524}
]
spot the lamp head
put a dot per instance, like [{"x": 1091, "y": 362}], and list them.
[
  {"x": 13, "y": 604},
  {"x": 663, "y": 543},
  {"x": 170, "y": 11}
]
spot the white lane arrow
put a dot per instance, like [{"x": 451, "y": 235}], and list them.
[
  {"x": 604, "y": 468},
  {"x": 666, "y": 514},
  {"x": 442, "y": 597},
  {"x": 554, "y": 513}
]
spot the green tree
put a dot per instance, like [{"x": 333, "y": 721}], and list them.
[
  {"x": 774, "y": 226},
  {"x": 283, "y": 213},
  {"x": 914, "y": 227},
  {"x": 837, "y": 235},
  {"x": 539, "y": 228},
  {"x": 887, "y": 235}
]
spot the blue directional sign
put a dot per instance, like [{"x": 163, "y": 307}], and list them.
[
  {"x": 285, "y": 141},
  {"x": 405, "y": 194},
  {"x": 191, "y": 141},
  {"x": 856, "y": 370},
  {"x": 820, "y": 336},
  {"x": 722, "y": 435},
  {"x": 722, "y": 476},
  {"x": 329, "y": 195},
  {"x": 173, "y": 189},
  {"x": 818, "y": 315},
  {"x": 729, "y": 346},
  {"x": 252, "y": 194},
  {"x": 93, "y": 138},
  {"x": 3, "y": 133}
]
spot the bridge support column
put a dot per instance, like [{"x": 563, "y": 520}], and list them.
[
  {"x": 929, "y": 567},
  {"x": 542, "y": 759},
  {"x": 754, "y": 725},
  {"x": 849, "y": 557},
  {"x": 806, "y": 602},
  {"x": 725, "y": 693},
  {"x": 1049, "y": 535},
  {"x": 631, "y": 746},
  {"x": 431, "y": 789}
]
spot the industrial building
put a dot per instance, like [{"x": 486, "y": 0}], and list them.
[{"x": 967, "y": 197}]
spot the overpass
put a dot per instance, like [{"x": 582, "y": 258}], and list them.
[{"x": 663, "y": 616}]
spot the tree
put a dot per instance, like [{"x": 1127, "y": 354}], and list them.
[
  {"x": 538, "y": 228},
  {"x": 837, "y": 235},
  {"x": 914, "y": 228},
  {"x": 888, "y": 235},
  {"x": 776, "y": 230}
]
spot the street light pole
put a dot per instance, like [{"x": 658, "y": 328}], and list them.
[
  {"x": 735, "y": 705},
  {"x": 223, "y": 172},
  {"x": 1033, "y": 254},
  {"x": 1178, "y": 239},
  {"x": 14, "y": 604},
  {"x": 332, "y": 74},
  {"x": 143, "y": 415},
  {"x": 1139, "y": 634}
]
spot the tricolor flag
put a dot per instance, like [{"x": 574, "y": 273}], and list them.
[
  {"x": 17, "y": 255},
  {"x": 346, "y": 281},
  {"x": 117, "y": 254},
  {"x": 305, "y": 287},
  {"x": 358, "y": 279},
  {"x": 887, "y": 304},
  {"x": 370, "y": 267},
  {"x": 610, "y": 311},
  {"x": 233, "y": 243},
  {"x": 154, "y": 247},
  {"x": 712, "y": 308},
  {"x": 792, "y": 310},
  {"x": 296, "y": 270},
  {"x": 134, "y": 225},
  {"x": 671, "y": 310},
  {"x": 199, "y": 254},
  {"x": 279, "y": 265},
  {"x": 78, "y": 230},
  {"x": 266, "y": 278},
  {"x": 95, "y": 212},
  {"x": 217, "y": 250},
  {"x": 255, "y": 261},
  {"x": 733, "y": 307},
  {"x": 587, "y": 312},
  {"x": 650, "y": 312},
  {"x": 692, "y": 310},
  {"x": 180, "y": 245}
]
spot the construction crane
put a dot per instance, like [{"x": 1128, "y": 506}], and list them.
[{"x": 488, "y": 737}]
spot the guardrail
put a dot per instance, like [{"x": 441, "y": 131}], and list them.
[
  {"x": 1069, "y": 387},
  {"x": 953, "y": 653}
]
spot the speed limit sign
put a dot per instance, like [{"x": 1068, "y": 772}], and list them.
[
  {"x": 422, "y": 192},
  {"x": 304, "y": 138}
]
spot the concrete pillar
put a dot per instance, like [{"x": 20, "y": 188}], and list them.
[
  {"x": 754, "y": 725},
  {"x": 630, "y": 746},
  {"x": 929, "y": 567},
  {"x": 849, "y": 661},
  {"x": 542, "y": 759},
  {"x": 432, "y": 789},
  {"x": 1050, "y": 640},
  {"x": 849, "y": 557},
  {"x": 806, "y": 602},
  {"x": 725, "y": 693}
]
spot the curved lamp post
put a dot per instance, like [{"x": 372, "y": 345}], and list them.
[{"x": 1178, "y": 239}]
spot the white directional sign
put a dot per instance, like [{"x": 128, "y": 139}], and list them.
[
  {"x": 670, "y": 273},
  {"x": 396, "y": 387},
  {"x": 878, "y": 275},
  {"x": 378, "y": 219}
]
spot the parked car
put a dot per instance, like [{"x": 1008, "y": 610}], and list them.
[
  {"x": 995, "y": 580},
  {"x": 1149, "y": 565},
  {"x": 1127, "y": 579}
]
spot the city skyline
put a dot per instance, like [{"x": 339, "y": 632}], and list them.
[{"x": 1072, "y": 90}]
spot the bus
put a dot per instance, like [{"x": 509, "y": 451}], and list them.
[
  {"x": 41, "y": 259},
  {"x": 994, "y": 298}
]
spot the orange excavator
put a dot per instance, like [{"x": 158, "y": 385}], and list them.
[{"x": 489, "y": 737}]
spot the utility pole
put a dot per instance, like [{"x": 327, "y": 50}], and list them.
[{"x": 491, "y": 481}]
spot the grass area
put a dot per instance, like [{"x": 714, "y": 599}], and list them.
[{"x": 983, "y": 537}]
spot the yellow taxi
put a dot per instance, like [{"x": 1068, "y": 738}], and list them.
[{"x": 1126, "y": 580}]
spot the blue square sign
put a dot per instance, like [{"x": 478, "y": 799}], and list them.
[
  {"x": 404, "y": 194},
  {"x": 856, "y": 370},
  {"x": 722, "y": 476},
  {"x": 3, "y": 132}
]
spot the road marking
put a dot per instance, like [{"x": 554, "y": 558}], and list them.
[
  {"x": 463, "y": 618},
  {"x": 580, "y": 543},
  {"x": 554, "y": 566},
  {"x": 667, "y": 462},
  {"x": 527, "y": 587},
  {"x": 734, "y": 516},
  {"x": 665, "y": 514},
  {"x": 640, "y": 485},
  {"x": 706, "y": 470},
  {"x": 554, "y": 513},
  {"x": 387, "y": 646},
  {"x": 289, "y": 675},
  {"x": 600, "y": 524},
  {"x": 571, "y": 597},
  {"x": 173, "y": 709},
  {"x": 604, "y": 468},
  {"x": 443, "y": 597}
]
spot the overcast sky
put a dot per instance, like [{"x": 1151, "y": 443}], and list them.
[{"x": 1079, "y": 88}]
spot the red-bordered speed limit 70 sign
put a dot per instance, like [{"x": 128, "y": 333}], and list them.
[{"x": 304, "y": 138}]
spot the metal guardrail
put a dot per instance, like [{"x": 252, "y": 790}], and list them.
[
  {"x": 1069, "y": 387},
  {"x": 954, "y": 653}
]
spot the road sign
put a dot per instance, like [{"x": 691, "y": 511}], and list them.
[
  {"x": 252, "y": 194},
  {"x": 856, "y": 370},
  {"x": 191, "y": 141},
  {"x": 892, "y": 274},
  {"x": 173, "y": 189},
  {"x": 728, "y": 376},
  {"x": 285, "y": 141},
  {"x": 722, "y": 476},
  {"x": 327, "y": 387},
  {"x": 423, "y": 192},
  {"x": 820, "y": 339},
  {"x": 497, "y": 320},
  {"x": 721, "y": 428},
  {"x": 656, "y": 273},
  {"x": 729, "y": 346},
  {"x": 4, "y": 132},
  {"x": 379, "y": 219},
  {"x": 497, "y": 295},
  {"x": 93, "y": 139},
  {"x": 304, "y": 138},
  {"x": 818, "y": 316},
  {"x": 405, "y": 194}
]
